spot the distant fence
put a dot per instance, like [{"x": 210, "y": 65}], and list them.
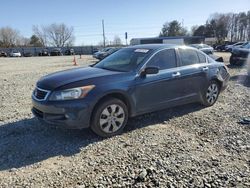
[{"x": 83, "y": 50}]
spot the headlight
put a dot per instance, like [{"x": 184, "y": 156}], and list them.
[{"x": 70, "y": 94}]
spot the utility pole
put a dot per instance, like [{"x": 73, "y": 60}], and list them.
[
  {"x": 103, "y": 33},
  {"x": 126, "y": 37}
]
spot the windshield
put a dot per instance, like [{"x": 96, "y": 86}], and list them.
[
  {"x": 238, "y": 43},
  {"x": 195, "y": 46},
  {"x": 206, "y": 46},
  {"x": 105, "y": 50},
  {"x": 124, "y": 60},
  {"x": 246, "y": 46}
]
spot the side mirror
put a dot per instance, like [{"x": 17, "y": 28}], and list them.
[{"x": 150, "y": 70}]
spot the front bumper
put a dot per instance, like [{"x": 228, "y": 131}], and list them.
[{"x": 73, "y": 114}]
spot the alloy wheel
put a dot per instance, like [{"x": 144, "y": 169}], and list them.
[{"x": 212, "y": 93}]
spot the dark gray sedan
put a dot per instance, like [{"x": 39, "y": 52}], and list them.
[{"x": 132, "y": 81}]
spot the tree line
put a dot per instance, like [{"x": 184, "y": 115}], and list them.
[
  {"x": 228, "y": 26},
  {"x": 58, "y": 35}
]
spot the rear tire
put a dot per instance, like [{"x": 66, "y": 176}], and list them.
[
  {"x": 109, "y": 117},
  {"x": 211, "y": 94}
]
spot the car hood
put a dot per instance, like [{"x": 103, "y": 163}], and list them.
[{"x": 62, "y": 78}]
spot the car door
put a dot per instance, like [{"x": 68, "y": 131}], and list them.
[
  {"x": 193, "y": 73},
  {"x": 158, "y": 90}
]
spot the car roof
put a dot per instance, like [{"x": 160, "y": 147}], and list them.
[{"x": 155, "y": 46}]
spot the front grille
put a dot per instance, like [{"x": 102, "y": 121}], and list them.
[{"x": 40, "y": 94}]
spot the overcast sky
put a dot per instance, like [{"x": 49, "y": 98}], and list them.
[{"x": 140, "y": 18}]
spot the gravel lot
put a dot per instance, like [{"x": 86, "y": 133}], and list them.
[{"x": 187, "y": 146}]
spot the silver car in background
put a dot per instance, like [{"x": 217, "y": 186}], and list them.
[{"x": 15, "y": 53}]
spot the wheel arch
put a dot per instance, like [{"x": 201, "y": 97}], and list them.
[
  {"x": 118, "y": 95},
  {"x": 219, "y": 81}
]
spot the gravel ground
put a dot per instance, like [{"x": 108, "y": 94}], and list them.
[{"x": 187, "y": 146}]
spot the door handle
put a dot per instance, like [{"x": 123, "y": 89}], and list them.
[
  {"x": 176, "y": 74},
  {"x": 204, "y": 68}
]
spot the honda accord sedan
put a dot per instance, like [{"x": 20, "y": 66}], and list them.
[{"x": 132, "y": 81}]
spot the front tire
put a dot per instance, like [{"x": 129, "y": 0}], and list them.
[
  {"x": 211, "y": 94},
  {"x": 232, "y": 61},
  {"x": 109, "y": 117}
]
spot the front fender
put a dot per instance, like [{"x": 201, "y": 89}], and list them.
[{"x": 127, "y": 95}]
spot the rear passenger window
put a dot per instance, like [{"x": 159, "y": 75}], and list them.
[
  {"x": 164, "y": 59},
  {"x": 188, "y": 57},
  {"x": 202, "y": 57}
]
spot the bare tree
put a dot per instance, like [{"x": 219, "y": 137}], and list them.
[
  {"x": 248, "y": 25},
  {"x": 100, "y": 43},
  {"x": 9, "y": 37},
  {"x": 60, "y": 35},
  {"x": 117, "y": 41},
  {"x": 41, "y": 34},
  {"x": 23, "y": 41}
]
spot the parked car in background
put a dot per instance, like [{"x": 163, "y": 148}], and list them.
[
  {"x": 94, "y": 50},
  {"x": 56, "y": 52},
  {"x": 15, "y": 53},
  {"x": 69, "y": 52},
  {"x": 229, "y": 48},
  {"x": 133, "y": 81},
  {"x": 240, "y": 55},
  {"x": 204, "y": 48},
  {"x": 221, "y": 48},
  {"x": 105, "y": 53},
  {"x": 208, "y": 50},
  {"x": 27, "y": 54},
  {"x": 43, "y": 52},
  {"x": 3, "y": 54},
  {"x": 96, "y": 54}
]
